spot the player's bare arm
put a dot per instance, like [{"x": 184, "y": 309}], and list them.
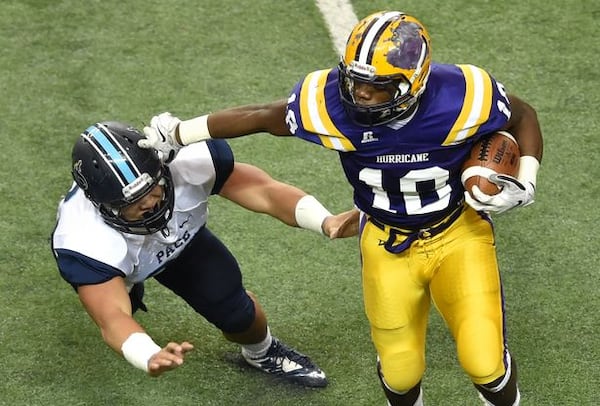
[
  {"x": 167, "y": 133},
  {"x": 255, "y": 190},
  {"x": 525, "y": 127},
  {"x": 109, "y": 306},
  {"x": 243, "y": 120}
]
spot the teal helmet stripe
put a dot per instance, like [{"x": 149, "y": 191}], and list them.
[{"x": 113, "y": 153}]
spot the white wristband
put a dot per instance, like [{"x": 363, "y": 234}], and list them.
[
  {"x": 528, "y": 169},
  {"x": 194, "y": 130},
  {"x": 310, "y": 214},
  {"x": 138, "y": 349}
]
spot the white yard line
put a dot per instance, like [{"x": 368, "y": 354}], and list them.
[{"x": 340, "y": 18}]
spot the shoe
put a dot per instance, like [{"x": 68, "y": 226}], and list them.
[{"x": 285, "y": 362}]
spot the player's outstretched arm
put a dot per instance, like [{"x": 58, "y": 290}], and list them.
[
  {"x": 243, "y": 120},
  {"x": 255, "y": 190},
  {"x": 109, "y": 306},
  {"x": 167, "y": 133}
]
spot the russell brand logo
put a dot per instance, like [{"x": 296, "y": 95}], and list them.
[{"x": 368, "y": 137}]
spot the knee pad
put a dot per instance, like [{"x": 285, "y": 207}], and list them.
[
  {"x": 412, "y": 397},
  {"x": 480, "y": 350},
  {"x": 503, "y": 391},
  {"x": 233, "y": 315},
  {"x": 402, "y": 371}
]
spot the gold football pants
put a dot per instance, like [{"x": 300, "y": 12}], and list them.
[{"x": 457, "y": 271}]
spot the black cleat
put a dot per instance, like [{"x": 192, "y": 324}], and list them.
[{"x": 287, "y": 363}]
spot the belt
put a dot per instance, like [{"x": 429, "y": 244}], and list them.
[{"x": 413, "y": 235}]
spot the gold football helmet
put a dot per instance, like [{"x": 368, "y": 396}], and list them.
[{"x": 390, "y": 50}]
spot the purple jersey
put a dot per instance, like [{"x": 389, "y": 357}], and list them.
[{"x": 405, "y": 173}]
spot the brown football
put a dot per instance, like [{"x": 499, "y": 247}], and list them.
[{"x": 496, "y": 153}]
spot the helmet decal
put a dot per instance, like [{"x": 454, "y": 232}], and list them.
[
  {"x": 409, "y": 46},
  {"x": 78, "y": 175},
  {"x": 112, "y": 152}
]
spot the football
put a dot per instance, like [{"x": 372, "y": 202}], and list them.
[{"x": 496, "y": 153}]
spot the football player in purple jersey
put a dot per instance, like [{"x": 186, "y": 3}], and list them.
[
  {"x": 129, "y": 217},
  {"x": 403, "y": 125}
]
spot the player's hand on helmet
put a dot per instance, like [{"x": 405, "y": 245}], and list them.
[
  {"x": 513, "y": 194},
  {"x": 160, "y": 135},
  {"x": 168, "y": 358}
]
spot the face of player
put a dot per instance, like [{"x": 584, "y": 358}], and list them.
[
  {"x": 147, "y": 204},
  {"x": 368, "y": 94}
]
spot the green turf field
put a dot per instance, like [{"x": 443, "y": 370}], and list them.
[{"x": 67, "y": 63}]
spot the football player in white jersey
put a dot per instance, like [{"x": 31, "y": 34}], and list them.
[
  {"x": 129, "y": 217},
  {"x": 403, "y": 126}
]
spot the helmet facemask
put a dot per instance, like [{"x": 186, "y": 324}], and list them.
[
  {"x": 398, "y": 88},
  {"x": 152, "y": 221}
]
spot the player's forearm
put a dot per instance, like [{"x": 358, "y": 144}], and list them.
[
  {"x": 295, "y": 208},
  {"x": 116, "y": 330},
  {"x": 235, "y": 122},
  {"x": 108, "y": 305},
  {"x": 126, "y": 337},
  {"x": 525, "y": 127},
  {"x": 248, "y": 119}
]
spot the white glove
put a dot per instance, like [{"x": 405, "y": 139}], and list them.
[
  {"x": 161, "y": 136},
  {"x": 513, "y": 194}
]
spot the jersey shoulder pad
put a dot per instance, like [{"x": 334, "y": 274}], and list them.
[
  {"x": 204, "y": 163},
  {"x": 80, "y": 228},
  {"x": 80, "y": 270}
]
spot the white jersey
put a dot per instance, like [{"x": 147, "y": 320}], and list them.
[{"x": 82, "y": 233}]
